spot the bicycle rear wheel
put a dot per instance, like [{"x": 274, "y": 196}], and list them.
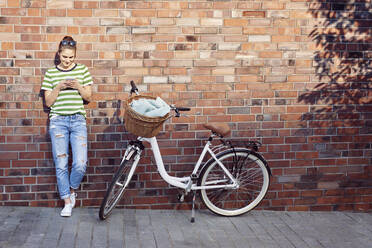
[
  {"x": 251, "y": 174},
  {"x": 117, "y": 187}
]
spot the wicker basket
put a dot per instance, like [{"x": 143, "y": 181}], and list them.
[{"x": 141, "y": 125}]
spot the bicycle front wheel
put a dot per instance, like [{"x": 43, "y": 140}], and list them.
[
  {"x": 252, "y": 177},
  {"x": 117, "y": 187}
]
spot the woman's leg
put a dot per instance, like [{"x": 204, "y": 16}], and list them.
[
  {"x": 59, "y": 133},
  {"x": 79, "y": 148}
]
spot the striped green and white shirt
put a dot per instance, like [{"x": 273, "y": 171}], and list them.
[{"x": 69, "y": 101}]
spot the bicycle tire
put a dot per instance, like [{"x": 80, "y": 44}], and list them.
[
  {"x": 117, "y": 187},
  {"x": 253, "y": 178}
]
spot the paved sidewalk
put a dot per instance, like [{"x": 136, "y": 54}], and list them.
[{"x": 43, "y": 227}]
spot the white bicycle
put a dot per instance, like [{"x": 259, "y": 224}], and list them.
[{"x": 232, "y": 182}]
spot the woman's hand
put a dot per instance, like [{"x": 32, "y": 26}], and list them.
[
  {"x": 65, "y": 84},
  {"x": 72, "y": 83}
]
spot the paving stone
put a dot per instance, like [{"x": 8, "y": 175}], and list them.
[
  {"x": 84, "y": 234},
  {"x": 43, "y": 227}
]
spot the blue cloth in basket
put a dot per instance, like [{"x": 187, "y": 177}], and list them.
[{"x": 150, "y": 107}]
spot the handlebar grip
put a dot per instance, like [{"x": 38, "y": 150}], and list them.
[
  {"x": 183, "y": 109},
  {"x": 134, "y": 87}
]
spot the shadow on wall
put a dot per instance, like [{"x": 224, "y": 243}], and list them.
[
  {"x": 343, "y": 65},
  {"x": 341, "y": 113}
]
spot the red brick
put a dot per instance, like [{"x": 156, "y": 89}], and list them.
[
  {"x": 27, "y": 63},
  {"x": 33, "y": 3},
  {"x": 270, "y": 54},
  {"x": 236, "y": 22},
  {"x": 27, "y": 46},
  {"x": 168, "y": 13},
  {"x": 29, "y": 180},
  {"x": 9, "y": 71},
  {"x": 278, "y": 140},
  {"x": 10, "y": 181},
  {"x": 311, "y": 193},
  {"x": 43, "y": 204},
  {"x": 13, "y": 12},
  {"x": 31, "y": 155},
  {"x": 306, "y": 155},
  {"x": 272, "y": 125},
  {"x": 288, "y": 194},
  {"x": 8, "y": 155},
  {"x": 255, "y": 14},
  {"x": 112, "y": 5},
  {"x": 4, "y": 163},
  {"x": 23, "y": 196},
  {"x": 17, "y": 172},
  {"x": 12, "y": 147},
  {"x": 86, "y": 5},
  {"x": 79, "y": 12},
  {"x": 298, "y": 208},
  {"x": 33, "y": 20},
  {"x": 282, "y": 202},
  {"x": 144, "y": 13},
  {"x": 55, "y": 12},
  {"x": 305, "y": 201}
]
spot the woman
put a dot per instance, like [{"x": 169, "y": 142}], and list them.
[{"x": 65, "y": 87}]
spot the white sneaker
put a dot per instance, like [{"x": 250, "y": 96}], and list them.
[
  {"x": 66, "y": 211},
  {"x": 73, "y": 199}
]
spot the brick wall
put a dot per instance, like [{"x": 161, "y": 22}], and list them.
[{"x": 293, "y": 74}]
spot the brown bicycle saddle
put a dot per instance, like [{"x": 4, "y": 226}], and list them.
[{"x": 221, "y": 129}]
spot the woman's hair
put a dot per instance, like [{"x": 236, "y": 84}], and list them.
[{"x": 67, "y": 42}]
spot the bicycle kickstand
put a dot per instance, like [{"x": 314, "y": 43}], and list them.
[{"x": 193, "y": 207}]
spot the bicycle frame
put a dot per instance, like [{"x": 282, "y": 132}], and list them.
[{"x": 186, "y": 183}]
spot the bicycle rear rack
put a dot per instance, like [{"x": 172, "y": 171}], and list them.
[{"x": 251, "y": 144}]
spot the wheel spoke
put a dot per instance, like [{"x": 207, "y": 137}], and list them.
[{"x": 119, "y": 184}]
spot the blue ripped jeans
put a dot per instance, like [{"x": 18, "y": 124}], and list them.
[{"x": 64, "y": 130}]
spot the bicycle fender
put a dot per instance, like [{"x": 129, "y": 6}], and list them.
[{"x": 258, "y": 155}]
